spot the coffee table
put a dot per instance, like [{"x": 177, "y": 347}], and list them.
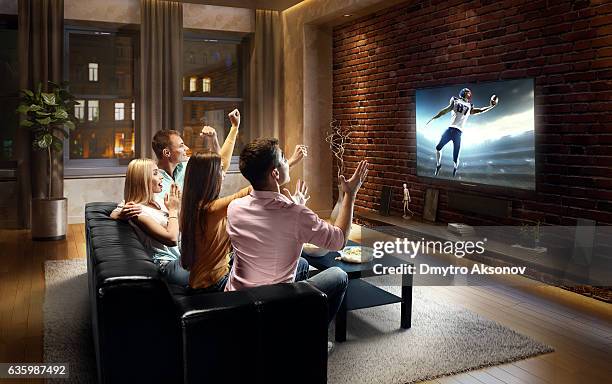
[{"x": 361, "y": 294}]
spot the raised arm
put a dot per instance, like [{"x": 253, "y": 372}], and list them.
[
  {"x": 441, "y": 112},
  {"x": 300, "y": 152},
  {"x": 230, "y": 141},
  {"x": 476, "y": 111},
  {"x": 350, "y": 188}
]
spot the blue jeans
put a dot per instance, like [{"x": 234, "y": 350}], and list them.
[
  {"x": 301, "y": 273},
  {"x": 333, "y": 282},
  {"x": 454, "y": 135},
  {"x": 219, "y": 286},
  {"x": 174, "y": 273}
]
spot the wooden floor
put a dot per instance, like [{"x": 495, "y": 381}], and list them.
[{"x": 579, "y": 328}]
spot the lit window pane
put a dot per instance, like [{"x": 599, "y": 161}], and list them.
[
  {"x": 93, "y": 110},
  {"x": 93, "y": 71},
  {"x": 206, "y": 84},
  {"x": 133, "y": 111},
  {"x": 119, "y": 142},
  {"x": 192, "y": 84},
  {"x": 119, "y": 111},
  {"x": 79, "y": 109}
]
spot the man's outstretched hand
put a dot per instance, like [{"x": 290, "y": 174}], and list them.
[
  {"x": 129, "y": 211},
  {"x": 210, "y": 139},
  {"x": 300, "y": 196},
  {"x": 300, "y": 152},
  {"x": 352, "y": 185}
]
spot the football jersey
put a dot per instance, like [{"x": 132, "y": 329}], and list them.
[{"x": 460, "y": 112}]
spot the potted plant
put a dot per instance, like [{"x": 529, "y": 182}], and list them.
[{"x": 49, "y": 116}]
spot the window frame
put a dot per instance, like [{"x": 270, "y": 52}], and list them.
[
  {"x": 204, "y": 36},
  {"x": 83, "y": 168},
  {"x": 10, "y": 22}
]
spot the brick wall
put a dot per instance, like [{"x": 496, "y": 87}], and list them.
[{"x": 379, "y": 61}]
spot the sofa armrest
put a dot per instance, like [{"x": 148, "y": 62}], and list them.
[{"x": 268, "y": 334}]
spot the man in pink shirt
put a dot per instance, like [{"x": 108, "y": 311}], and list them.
[{"x": 268, "y": 229}]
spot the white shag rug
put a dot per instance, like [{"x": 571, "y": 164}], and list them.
[{"x": 444, "y": 338}]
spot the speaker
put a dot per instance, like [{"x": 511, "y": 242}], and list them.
[
  {"x": 385, "y": 200},
  {"x": 481, "y": 205}
]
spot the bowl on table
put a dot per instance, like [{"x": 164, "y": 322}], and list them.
[{"x": 314, "y": 251}]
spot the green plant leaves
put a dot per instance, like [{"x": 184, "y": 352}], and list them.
[
  {"x": 60, "y": 114},
  {"x": 48, "y": 115},
  {"x": 23, "y": 108},
  {"x": 45, "y": 141},
  {"x": 45, "y": 121},
  {"x": 48, "y": 98}
]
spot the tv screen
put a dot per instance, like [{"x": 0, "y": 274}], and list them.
[{"x": 481, "y": 133}]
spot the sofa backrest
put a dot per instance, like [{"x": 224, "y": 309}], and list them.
[{"x": 134, "y": 319}]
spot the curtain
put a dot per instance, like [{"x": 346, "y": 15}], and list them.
[
  {"x": 265, "y": 104},
  {"x": 161, "y": 52},
  {"x": 41, "y": 31}
]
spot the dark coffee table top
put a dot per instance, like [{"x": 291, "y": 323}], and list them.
[{"x": 353, "y": 270}]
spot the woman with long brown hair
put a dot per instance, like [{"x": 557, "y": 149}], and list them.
[{"x": 205, "y": 245}]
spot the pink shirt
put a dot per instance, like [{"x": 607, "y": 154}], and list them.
[{"x": 268, "y": 231}]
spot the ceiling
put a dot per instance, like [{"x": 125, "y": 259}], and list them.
[{"x": 278, "y": 5}]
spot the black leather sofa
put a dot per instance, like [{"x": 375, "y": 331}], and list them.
[{"x": 146, "y": 331}]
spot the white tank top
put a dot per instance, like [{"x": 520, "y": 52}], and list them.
[{"x": 460, "y": 112}]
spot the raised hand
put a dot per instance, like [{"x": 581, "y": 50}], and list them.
[
  {"x": 300, "y": 196},
  {"x": 210, "y": 139},
  {"x": 300, "y": 152},
  {"x": 172, "y": 200},
  {"x": 352, "y": 185},
  {"x": 129, "y": 211},
  {"x": 234, "y": 117}
]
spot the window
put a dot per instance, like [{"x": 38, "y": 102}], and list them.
[
  {"x": 104, "y": 136},
  {"x": 206, "y": 84},
  {"x": 9, "y": 86},
  {"x": 79, "y": 110},
  {"x": 93, "y": 71},
  {"x": 220, "y": 64},
  {"x": 93, "y": 110},
  {"x": 119, "y": 111}
]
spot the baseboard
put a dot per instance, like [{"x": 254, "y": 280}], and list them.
[{"x": 76, "y": 219}]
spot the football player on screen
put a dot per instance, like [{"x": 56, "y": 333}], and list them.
[{"x": 461, "y": 108}]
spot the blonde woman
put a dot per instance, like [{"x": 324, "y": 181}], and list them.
[{"x": 157, "y": 229}]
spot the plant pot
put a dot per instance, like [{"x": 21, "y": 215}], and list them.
[{"x": 49, "y": 219}]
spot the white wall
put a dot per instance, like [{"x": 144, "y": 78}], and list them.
[{"x": 82, "y": 191}]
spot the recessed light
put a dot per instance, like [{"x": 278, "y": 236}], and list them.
[{"x": 347, "y": 15}]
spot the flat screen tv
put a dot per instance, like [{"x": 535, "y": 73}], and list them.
[{"x": 477, "y": 133}]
